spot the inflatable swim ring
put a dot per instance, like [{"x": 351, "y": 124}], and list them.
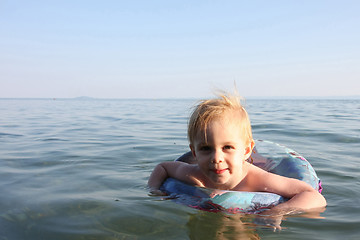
[{"x": 269, "y": 156}]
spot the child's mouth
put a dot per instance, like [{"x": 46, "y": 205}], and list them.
[{"x": 219, "y": 171}]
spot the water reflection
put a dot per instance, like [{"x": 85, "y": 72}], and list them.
[{"x": 205, "y": 225}]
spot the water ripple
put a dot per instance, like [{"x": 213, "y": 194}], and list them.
[{"x": 71, "y": 163}]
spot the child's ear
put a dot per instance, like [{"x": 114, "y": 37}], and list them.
[
  {"x": 192, "y": 150},
  {"x": 249, "y": 148}
]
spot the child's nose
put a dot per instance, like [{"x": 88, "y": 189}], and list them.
[{"x": 218, "y": 157}]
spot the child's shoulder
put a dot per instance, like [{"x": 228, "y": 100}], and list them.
[
  {"x": 259, "y": 173},
  {"x": 189, "y": 173},
  {"x": 254, "y": 170},
  {"x": 180, "y": 167},
  {"x": 256, "y": 177}
]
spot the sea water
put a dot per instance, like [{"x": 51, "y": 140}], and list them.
[{"x": 77, "y": 169}]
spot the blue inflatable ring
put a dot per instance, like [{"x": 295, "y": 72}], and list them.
[{"x": 269, "y": 156}]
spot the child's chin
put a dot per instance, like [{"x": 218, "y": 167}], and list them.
[{"x": 220, "y": 180}]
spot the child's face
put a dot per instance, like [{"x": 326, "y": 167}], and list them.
[{"x": 221, "y": 158}]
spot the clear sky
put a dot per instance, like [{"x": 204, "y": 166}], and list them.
[{"x": 178, "y": 48}]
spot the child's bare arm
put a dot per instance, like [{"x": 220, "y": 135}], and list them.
[
  {"x": 306, "y": 200},
  {"x": 301, "y": 195},
  {"x": 164, "y": 170}
]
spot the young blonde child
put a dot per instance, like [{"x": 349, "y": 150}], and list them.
[{"x": 220, "y": 137}]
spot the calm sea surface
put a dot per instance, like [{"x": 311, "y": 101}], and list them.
[{"x": 77, "y": 169}]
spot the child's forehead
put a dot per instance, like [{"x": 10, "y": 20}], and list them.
[
  {"x": 226, "y": 120},
  {"x": 227, "y": 125}
]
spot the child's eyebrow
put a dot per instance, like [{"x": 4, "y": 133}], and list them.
[{"x": 202, "y": 144}]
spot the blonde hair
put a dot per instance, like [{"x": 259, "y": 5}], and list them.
[{"x": 209, "y": 110}]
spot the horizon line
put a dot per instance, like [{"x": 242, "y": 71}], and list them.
[{"x": 179, "y": 98}]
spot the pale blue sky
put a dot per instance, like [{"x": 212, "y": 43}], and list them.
[{"x": 181, "y": 48}]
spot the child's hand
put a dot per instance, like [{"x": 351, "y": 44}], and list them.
[
  {"x": 156, "y": 192},
  {"x": 216, "y": 192}
]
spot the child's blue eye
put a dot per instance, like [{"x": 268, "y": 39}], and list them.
[{"x": 228, "y": 147}]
